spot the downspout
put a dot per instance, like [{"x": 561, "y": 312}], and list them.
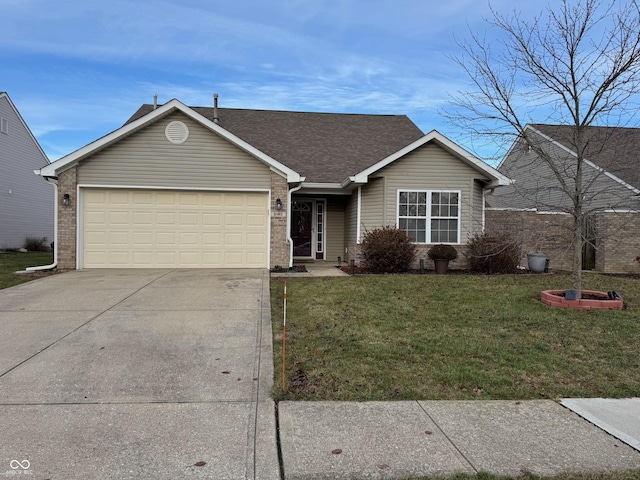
[
  {"x": 55, "y": 231},
  {"x": 289, "y": 239}
]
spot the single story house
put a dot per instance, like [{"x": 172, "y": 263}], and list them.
[
  {"x": 208, "y": 187},
  {"x": 538, "y": 212},
  {"x": 26, "y": 201}
]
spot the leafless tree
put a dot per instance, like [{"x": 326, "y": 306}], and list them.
[{"x": 577, "y": 65}]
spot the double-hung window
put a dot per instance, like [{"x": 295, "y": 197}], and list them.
[{"x": 430, "y": 216}]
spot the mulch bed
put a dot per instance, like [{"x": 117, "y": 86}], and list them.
[{"x": 295, "y": 268}]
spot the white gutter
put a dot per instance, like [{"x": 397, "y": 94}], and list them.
[
  {"x": 55, "y": 230},
  {"x": 289, "y": 239}
]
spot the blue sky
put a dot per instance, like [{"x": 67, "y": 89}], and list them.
[{"x": 77, "y": 69}]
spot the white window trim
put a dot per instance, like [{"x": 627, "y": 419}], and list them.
[{"x": 428, "y": 216}]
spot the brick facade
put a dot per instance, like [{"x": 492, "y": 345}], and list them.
[
  {"x": 617, "y": 241},
  {"x": 67, "y": 219},
  {"x": 354, "y": 251},
  {"x": 550, "y": 234},
  {"x": 618, "y": 246},
  {"x": 279, "y": 247}
]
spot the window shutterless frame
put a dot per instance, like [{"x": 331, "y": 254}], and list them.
[{"x": 430, "y": 216}]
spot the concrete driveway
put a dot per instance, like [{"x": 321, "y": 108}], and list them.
[{"x": 138, "y": 374}]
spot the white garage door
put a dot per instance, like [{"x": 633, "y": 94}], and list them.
[{"x": 174, "y": 229}]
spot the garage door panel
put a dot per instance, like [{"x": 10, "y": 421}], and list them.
[
  {"x": 234, "y": 201},
  {"x": 254, "y": 220},
  {"x": 95, "y": 217},
  {"x": 166, "y": 259},
  {"x": 143, "y": 239},
  {"x": 189, "y": 199},
  {"x": 166, "y": 198},
  {"x": 188, "y": 238},
  {"x": 116, "y": 197},
  {"x": 167, "y": 239},
  {"x": 212, "y": 200},
  {"x": 119, "y": 238},
  {"x": 256, "y": 239},
  {"x": 211, "y": 219},
  {"x": 234, "y": 220},
  {"x": 211, "y": 239},
  {"x": 142, "y": 198},
  {"x": 166, "y": 218},
  {"x": 118, "y": 218},
  {"x": 118, "y": 259},
  {"x": 211, "y": 259},
  {"x": 146, "y": 229}
]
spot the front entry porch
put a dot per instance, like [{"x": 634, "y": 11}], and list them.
[{"x": 308, "y": 228}]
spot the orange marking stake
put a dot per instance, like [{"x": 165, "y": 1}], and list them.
[{"x": 284, "y": 333}]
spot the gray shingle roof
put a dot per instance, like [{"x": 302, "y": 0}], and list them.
[
  {"x": 615, "y": 149},
  {"x": 323, "y": 147}
]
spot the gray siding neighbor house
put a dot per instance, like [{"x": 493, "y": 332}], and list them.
[
  {"x": 208, "y": 187},
  {"x": 26, "y": 202},
  {"x": 537, "y": 211}
]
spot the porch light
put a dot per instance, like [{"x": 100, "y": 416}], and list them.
[
  {"x": 66, "y": 200},
  {"x": 278, "y": 204}
]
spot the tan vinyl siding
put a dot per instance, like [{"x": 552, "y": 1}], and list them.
[
  {"x": 351, "y": 219},
  {"x": 371, "y": 215},
  {"x": 477, "y": 225},
  {"x": 335, "y": 228},
  {"x": 427, "y": 168},
  {"x": 147, "y": 158}
]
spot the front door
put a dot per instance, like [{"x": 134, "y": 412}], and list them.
[{"x": 301, "y": 222}]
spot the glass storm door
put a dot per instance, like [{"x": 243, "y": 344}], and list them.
[{"x": 301, "y": 231}]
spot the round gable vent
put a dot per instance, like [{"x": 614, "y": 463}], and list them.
[{"x": 176, "y": 132}]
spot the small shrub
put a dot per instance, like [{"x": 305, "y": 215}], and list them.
[
  {"x": 442, "y": 252},
  {"x": 493, "y": 253},
  {"x": 387, "y": 250},
  {"x": 35, "y": 244}
]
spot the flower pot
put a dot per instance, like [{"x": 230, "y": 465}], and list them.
[
  {"x": 442, "y": 266},
  {"x": 537, "y": 262}
]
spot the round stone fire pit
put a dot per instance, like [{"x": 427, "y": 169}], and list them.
[{"x": 592, "y": 300}]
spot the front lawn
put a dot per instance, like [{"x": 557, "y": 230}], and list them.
[
  {"x": 11, "y": 262},
  {"x": 410, "y": 337}
]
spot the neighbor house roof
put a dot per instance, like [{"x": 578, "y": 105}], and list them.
[
  {"x": 614, "y": 149},
  {"x": 322, "y": 147}
]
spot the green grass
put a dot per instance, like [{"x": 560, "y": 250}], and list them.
[
  {"x": 410, "y": 337},
  {"x": 11, "y": 262}
]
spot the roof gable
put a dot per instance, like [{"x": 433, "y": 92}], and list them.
[
  {"x": 458, "y": 152},
  {"x": 322, "y": 147},
  {"x": 134, "y": 125}
]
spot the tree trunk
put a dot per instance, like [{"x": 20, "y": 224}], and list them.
[{"x": 576, "y": 283}]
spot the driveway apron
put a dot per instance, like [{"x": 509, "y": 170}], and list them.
[{"x": 138, "y": 374}]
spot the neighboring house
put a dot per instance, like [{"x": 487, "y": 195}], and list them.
[
  {"x": 26, "y": 202},
  {"x": 538, "y": 213},
  {"x": 180, "y": 186}
]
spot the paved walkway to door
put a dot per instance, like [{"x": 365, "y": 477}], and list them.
[{"x": 123, "y": 374}]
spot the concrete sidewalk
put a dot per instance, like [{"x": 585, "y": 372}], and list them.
[
  {"x": 619, "y": 417},
  {"x": 315, "y": 269},
  {"x": 348, "y": 440}
]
